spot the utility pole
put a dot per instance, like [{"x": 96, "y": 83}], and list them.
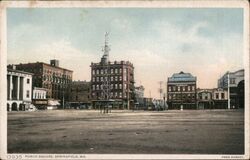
[{"x": 228, "y": 90}]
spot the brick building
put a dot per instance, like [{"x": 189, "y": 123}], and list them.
[
  {"x": 112, "y": 83},
  {"x": 49, "y": 76},
  {"x": 181, "y": 91},
  {"x": 121, "y": 80},
  {"x": 79, "y": 95}
]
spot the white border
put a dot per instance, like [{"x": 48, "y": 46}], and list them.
[{"x": 133, "y": 4}]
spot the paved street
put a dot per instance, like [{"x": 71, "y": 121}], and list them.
[{"x": 121, "y": 132}]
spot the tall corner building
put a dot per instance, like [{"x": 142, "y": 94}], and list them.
[
  {"x": 49, "y": 76},
  {"x": 236, "y": 90},
  {"x": 112, "y": 81},
  {"x": 181, "y": 91}
]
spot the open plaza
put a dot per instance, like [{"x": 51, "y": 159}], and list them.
[{"x": 127, "y": 132}]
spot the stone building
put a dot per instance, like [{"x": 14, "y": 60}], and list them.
[
  {"x": 181, "y": 91},
  {"x": 139, "y": 95},
  {"x": 19, "y": 90},
  {"x": 79, "y": 95},
  {"x": 205, "y": 98},
  {"x": 39, "y": 98},
  {"x": 49, "y": 76},
  {"x": 220, "y": 98},
  {"x": 236, "y": 87}
]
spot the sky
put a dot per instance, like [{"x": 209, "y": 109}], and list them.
[{"x": 159, "y": 42}]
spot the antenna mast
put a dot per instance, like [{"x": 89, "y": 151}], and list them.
[{"x": 106, "y": 70}]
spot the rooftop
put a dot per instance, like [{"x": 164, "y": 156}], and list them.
[{"x": 181, "y": 77}]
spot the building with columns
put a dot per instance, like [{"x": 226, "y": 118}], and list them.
[
  {"x": 19, "y": 90},
  {"x": 52, "y": 77}
]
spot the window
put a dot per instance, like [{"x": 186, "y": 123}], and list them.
[
  {"x": 120, "y": 70},
  {"x": 174, "y": 96},
  {"x": 97, "y": 87},
  {"x": 111, "y": 78},
  {"x": 116, "y": 78},
  {"x": 188, "y": 88},
  {"x": 179, "y": 88},
  {"x": 222, "y": 96},
  {"x": 93, "y": 72},
  {"x": 232, "y": 80},
  {"x": 97, "y": 71},
  {"x": 27, "y": 94},
  {"x": 101, "y": 78},
  {"x": 112, "y": 70},
  {"x": 174, "y": 88},
  {"x": 120, "y": 94},
  {"x": 28, "y": 81},
  {"x": 116, "y": 86},
  {"x": 192, "y": 88},
  {"x": 93, "y": 87},
  {"x": 120, "y": 78},
  {"x": 125, "y": 86},
  {"x": 217, "y": 95},
  {"x": 169, "y": 88},
  {"x": 101, "y": 71},
  {"x": 97, "y": 79},
  {"x": 93, "y": 79},
  {"x": 120, "y": 86}
]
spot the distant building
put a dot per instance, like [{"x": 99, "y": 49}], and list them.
[
  {"x": 236, "y": 87},
  {"x": 181, "y": 91},
  {"x": 19, "y": 90},
  {"x": 39, "y": 98},
  {"x": 148, "y": 103},
  {"x": 139, "y": 95},
  {"x": 79, "y": 95},
  {"x": 220, "y": 98},
  {"x": 49, "y": 76},
  {"x": 112, "y": 81},
  {"x": 205, "y": 98}
]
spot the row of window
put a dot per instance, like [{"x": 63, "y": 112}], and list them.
[
  {"x": 56, "y": 73},
  {"x": 181, "y": 88},
  {"x": 115, "y": 94},
  {"x": 181, "y": 96},
  {"x": 55, "y": 79},
  {"x": 112, "y": 86},
  {"x": 105, "y": 71},
  {"x": 38, "y": 95},
  {"x": 112, "y": 78}
]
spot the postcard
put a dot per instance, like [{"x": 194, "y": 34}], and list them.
[{"x": 124, "y": 80}]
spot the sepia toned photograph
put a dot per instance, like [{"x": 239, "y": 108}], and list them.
[{"x": 141, "y": 80}]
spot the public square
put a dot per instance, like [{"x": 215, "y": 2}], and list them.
[{"x": 127, "y": 132}]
